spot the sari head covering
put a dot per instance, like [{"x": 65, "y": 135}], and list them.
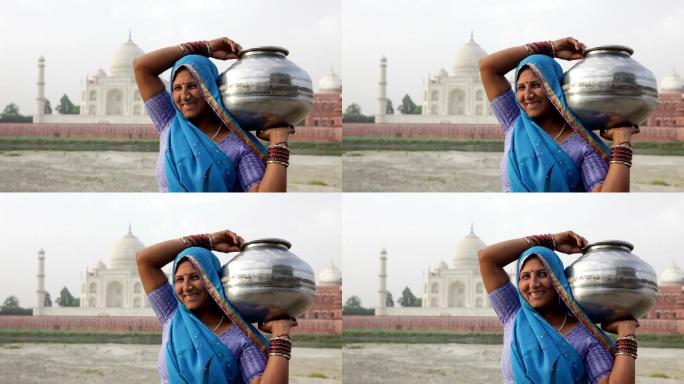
[
  {"x": 539, "y": 353},
  {"x": 194, "y": 354},
  {"x": 194, "y": 163},
  {"x": 536, "y": 162}
]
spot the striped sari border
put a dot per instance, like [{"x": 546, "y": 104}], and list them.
[
  {"x": 232, "y": 314},
  {"x": 575, "y": 124}
]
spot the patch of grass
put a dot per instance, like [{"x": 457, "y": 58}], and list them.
[
  {"x": 11, "y": 154},
  {"x": 317, "y": 375},
  {"x": 314, "y": 148},
  {"x": 658, "y": 375},
  {"x": 659, "y": 182},
  {"x": 317, "y": 182},
  {"x": 92, "y": 371},
  {"x": 356, "y": 336},
  {"x": 11, "y": 346}
]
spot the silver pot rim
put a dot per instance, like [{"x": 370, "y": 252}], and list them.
[
  {"x": 621, "y": 48},
  {"x": 619, "y": 243},
  {"x": 267, "y": 240},
  {"x": 267, "y": 48}
]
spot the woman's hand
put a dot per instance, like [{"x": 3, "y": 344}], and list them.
[
  {"x": 569, "y": 48},
  {"x": 224, "y": 48},
  {"x": 226, "y": 241},
  {"x": 276, "y": 135},
  {"x": 622, "y": 327},
  {"x": 278, "y": 327},
  {"x": 569, "y": 242},
  {"x": 620, "y": 135}
]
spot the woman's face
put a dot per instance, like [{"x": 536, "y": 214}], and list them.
[
  {"x": 535, "y": 284},
  {"x": 187, "y": 95},
  {"x": 189, "y": 287},
  {"x": 531, "y": 95}
]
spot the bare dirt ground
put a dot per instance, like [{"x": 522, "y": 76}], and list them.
[
  {"x": 454, "y": 171},
  {"x": 119, "y": 363},
  {"x": 464, "y": 363},
  {"x": 112, "y": 171}
]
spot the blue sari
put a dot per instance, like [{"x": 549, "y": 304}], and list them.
[
  {"x": 194, "y": 354},
  {"x": 536, "y": 162},
  {"x": 539, "y": 353},
  {"x": 194, "y": 163}
]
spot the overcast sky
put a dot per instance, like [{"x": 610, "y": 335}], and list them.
[
  {"x": 77, "y": 37},
  {"x": 78, "y": 230},
  {"x": 419, "y": 230},
  {"x": 418, "y": 37}
]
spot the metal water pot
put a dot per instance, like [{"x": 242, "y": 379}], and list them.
[
  {"x": 611, "y": 283},
  {"x": 266, "y": 281},
  {"x": 609, "y": 89},
  {"x": 264, "y": 89}
]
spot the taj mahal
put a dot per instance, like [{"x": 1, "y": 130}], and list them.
[{"x": 457, "y": 97}]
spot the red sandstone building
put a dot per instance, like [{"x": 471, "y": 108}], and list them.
[
  {"x": 327, "y": 103},
  {"x": 670, "y": 301},
  {"x": 670, "y": 109},
  {"x": 328, "y": 300}
]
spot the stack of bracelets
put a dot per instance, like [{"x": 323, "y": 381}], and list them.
[
  {"x": 621, "y": 154},
  {"x": 626, "y": 345},
  {"x": 203, "y": 240},
  {"x": 279, "y": 154},
  {"x": 545, "y": 240},
  {"x": 542, "y": 48},
  {"x": 196, "y": 48},
  {"x": 280, "y": 346}
]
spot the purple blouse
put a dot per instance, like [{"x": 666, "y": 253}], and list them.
[
  {"x": 592, "y": 167},
  {"x": 506, "y": 303},
  {"x": 162, "y": 112},
  {"x": 249, "y": 357}
]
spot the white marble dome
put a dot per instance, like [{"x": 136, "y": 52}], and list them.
[
  {"x": 465, "y": 255},
  {"x": 330, "y": 83},
  {"x": 123, "y": 254},
  {"x": 672, "y": 84},
  {"x": 330, "y": 276},
  {"x": 440, "y": 266},
  {"x": 122, "y": 62},
  {"x": 672, "y": 276},
  {"x": 467, "y": 58}
]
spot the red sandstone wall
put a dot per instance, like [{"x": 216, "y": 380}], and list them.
[
  {"x": 474, "y": 324},
  {"x": 478, "y": 131},
  {"x": 135, "y": 324},
  {"x": 139, "y": 131}
]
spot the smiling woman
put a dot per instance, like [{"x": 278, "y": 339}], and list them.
[
  {"x": 202, "y": 147},
  {"x": 547, "y": 336}
]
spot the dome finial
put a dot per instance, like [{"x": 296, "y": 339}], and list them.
[
  {"x": 472, "y": 232},
  {"x": 129, "y": 35},
  {"x": 129, "y": 227},
  {"x": 471, "y": 35}
]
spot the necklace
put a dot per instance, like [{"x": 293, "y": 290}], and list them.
[
  {"x": 565, "y": 318},
  {"x": 217, "y": 131},
  {"x": 561, "y": 132},
  {"x": 223, "y": 317}
]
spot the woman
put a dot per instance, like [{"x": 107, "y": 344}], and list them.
[
  {"x": 204, "y": 339},
  {"x": 202, "y": 148},
  {"x": 546, "y": 147},
  {"x": 547, "y": 337}
]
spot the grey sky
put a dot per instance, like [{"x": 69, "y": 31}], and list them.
[
  {"x": 418, "y": 230},
  {"x": 77, "y": 37},
  {"x": 78, "y": 230},
  {"x": 420, "y": 36}
]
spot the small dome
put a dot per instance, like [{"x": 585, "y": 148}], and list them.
[
  {"x": 330, "y": 276},
  {"x": 122, "y": 63},
  {"x": 123, "y": 254},
  {"x": 467, "y": 58},
  {"x": 440, "y": 266},
  {"x": 330, "y": 83},
  {"x": 465, "y": 255},
  {"x": 672, "y": 276},
  {"x": 672, "y": 83}
]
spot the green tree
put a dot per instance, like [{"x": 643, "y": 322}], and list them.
[
  {"x": 11, "y": 110},
  {"x": 353, "y": 307},
  {"x": 390, "y": 109},
  {"x": 66, "y": 107},
  {"x": 353, "y": 115},
  {"x": 11, "y": 307},
  {"x": 390, "y": 301},
  {"x": 48, "y": 108},
  {"x": 11, "y": 303},
  {"x": 408, "y": 107},
  {"x": 65, "y": 299},
  {"x": 408, "y": 299},
  {"x": 48, "y": 300}
]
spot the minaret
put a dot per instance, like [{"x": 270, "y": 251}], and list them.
[
  {"x": 40, "y": 292},
  {"x": 40, "y": 99},
  {"x": 382, "y": 97},
  {"x": 382, "y": 292}
]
